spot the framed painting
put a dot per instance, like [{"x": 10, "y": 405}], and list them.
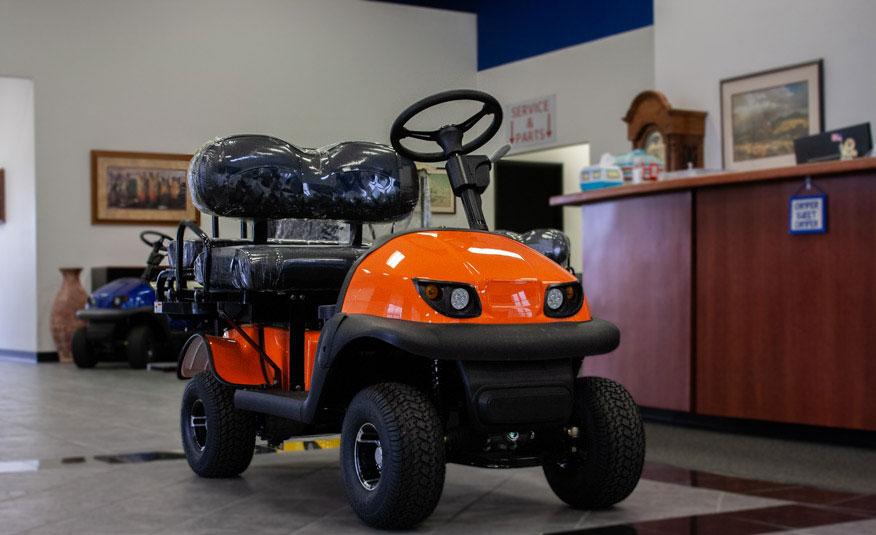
[
  {"x": 763, "y": 113},
  {"x": 140, "y": 188},
  {"x": 441, "y": 197}
]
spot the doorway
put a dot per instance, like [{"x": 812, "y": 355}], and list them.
[
  {"x": 523, "y": 190},
  {"x": 528, "y": 205}
]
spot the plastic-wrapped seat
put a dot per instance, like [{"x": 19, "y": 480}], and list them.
[
  {"x": 261, "y": 177},
  {"x": 278, "y": 267},
  {"x": 191, "y": 250}
]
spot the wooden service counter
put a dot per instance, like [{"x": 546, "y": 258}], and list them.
[{"x": 723, "y": 312}]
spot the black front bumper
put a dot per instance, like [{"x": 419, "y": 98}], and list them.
[{"x": 480, "y": 342}]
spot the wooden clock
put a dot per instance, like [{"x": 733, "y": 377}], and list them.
[{"x": 674, "y": 136}]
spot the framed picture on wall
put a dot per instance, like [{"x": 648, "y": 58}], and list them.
[
  {"x": 140, "y": 188},
  {"x": 441, "y": 197},
  {"x": 763, "y": 113}
]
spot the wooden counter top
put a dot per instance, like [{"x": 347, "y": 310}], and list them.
[{"x": 718, "y": 179}]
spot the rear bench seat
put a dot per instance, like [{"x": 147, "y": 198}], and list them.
[{"x": 278, "y": 267}]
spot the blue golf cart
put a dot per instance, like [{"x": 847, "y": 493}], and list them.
[{"x": 120, "y": 322}]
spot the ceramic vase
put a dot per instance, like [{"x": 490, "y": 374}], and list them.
[{"x": 71, "y": 297}]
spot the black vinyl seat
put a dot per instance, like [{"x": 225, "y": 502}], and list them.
[
  {"x": 263, "y": 178},
  {"x": 278, "y": 267}
]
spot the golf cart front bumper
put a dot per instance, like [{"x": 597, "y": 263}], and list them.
[
  {"x": 110, "y": 315},
  {"x": 515, "y": 376},
  {"x": 480, "y": 342}
]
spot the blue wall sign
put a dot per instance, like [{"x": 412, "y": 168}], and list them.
[{"x": 808, "y": 213}]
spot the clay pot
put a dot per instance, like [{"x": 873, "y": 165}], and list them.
[{"x": 71, "y": 297}]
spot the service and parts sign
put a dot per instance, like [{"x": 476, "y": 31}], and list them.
[{"x": 532, "y": 122}]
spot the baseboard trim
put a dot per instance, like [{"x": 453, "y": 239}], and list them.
[
  {"x": 29, "y": 356},
  {"x": 808, "y": 433},
  {"x": 47, "y": 356}
]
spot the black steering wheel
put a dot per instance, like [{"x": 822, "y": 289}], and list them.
[
  {"x": 158, "y": 242},
  {"x": 448, "y": 137}
]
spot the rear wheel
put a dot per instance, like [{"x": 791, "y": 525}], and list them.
[
  {"x": 392, "y": 456},
  {"x": 142, "y": 346},
  {"x": 83, "y": 354},
  {"x": 218, "y": 439},
  {"x": 602, "y": 465}
]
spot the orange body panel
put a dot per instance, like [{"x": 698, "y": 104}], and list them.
[
  {"x": 236, "y": 361},
  {"x": 311, "y": 343},
  {"x": 509, "y": 277}
]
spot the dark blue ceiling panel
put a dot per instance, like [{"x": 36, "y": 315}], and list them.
[
  {"x": 469, "y": 6},
  {"x": 511, "y": 30}
]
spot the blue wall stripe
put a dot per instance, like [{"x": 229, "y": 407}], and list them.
[{"x": 511, "y": 30}]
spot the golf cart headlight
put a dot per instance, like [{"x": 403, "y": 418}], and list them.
[
  {"x": 563, "y": 300},
  {"x": 554, "y": 298},
  {"x": 459, "y": 298},
  {"x": 452, "y": 299},
  {"x": 119, "y": 300}
]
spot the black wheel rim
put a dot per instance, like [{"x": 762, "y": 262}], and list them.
[
  {"x": 368, "y": 456},
  {"x": 198, "y": 425}
]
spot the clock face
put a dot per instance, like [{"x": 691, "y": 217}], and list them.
[{"x": 655, "y": 145}]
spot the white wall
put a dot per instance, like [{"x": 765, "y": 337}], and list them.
[
  {"x": 573, "y": 158},
  {"x": 697, "y": 43},
  {"x": 18, "y": 313},
  {"x": 594, "y": 83},
  {"x": 166, "y": 76}
]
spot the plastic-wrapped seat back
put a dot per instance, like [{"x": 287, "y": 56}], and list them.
[
  {"x": 254, "y": 176},
  {"x": 552, "y": 243}
]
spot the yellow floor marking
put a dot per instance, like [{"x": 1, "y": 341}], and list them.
[{"x": 310, "y": 443}]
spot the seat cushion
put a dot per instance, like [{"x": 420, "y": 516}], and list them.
[
  {"x": 191, "y": 249},
  {"x": 278, "y": 267}
]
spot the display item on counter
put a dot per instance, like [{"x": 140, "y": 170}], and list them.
[
  {"x": 605, "y": 174},
  {"x": 639, "y": 166}
]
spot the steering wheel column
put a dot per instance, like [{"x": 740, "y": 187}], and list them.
[
  {"x": 157, "y": 242},
  {"x": 469, "y": 175}
]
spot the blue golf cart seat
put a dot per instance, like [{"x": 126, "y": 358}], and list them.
[{"x": 265, "y": 178}]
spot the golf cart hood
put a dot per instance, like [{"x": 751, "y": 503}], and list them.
[
  {"x": 125, "y": 293},
  {"x": 509, "y": 278}
]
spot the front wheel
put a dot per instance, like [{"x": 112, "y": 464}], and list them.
[
  {"x": 219, "y": 440},
  {"x": 603, "y": 463},
  {"x": 392, "y": 456},
  {"x": 83, "y": 354},
  {"x": 142, "y": 346}
]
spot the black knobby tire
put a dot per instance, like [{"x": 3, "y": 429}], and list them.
[
  {"x": 143, "y": 346},
  {"x": 224, "y": 446},
  {"x": 413, "y": 463},
  {"x": 83, "y": 354},
  {"x": 610, "y": 448}
]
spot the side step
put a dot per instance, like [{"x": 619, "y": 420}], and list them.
[{"x": 274, "y": 402}]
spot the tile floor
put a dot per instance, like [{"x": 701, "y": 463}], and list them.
[{"x": 61, "y": 430}]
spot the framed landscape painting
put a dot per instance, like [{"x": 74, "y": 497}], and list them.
[
  {"x": 441, "y": 197},
  {"x": 763, "y": 113},
  {"x": 140, "y": 188}
]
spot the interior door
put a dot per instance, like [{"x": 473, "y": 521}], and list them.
[{"x": 522, "y": 193}]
